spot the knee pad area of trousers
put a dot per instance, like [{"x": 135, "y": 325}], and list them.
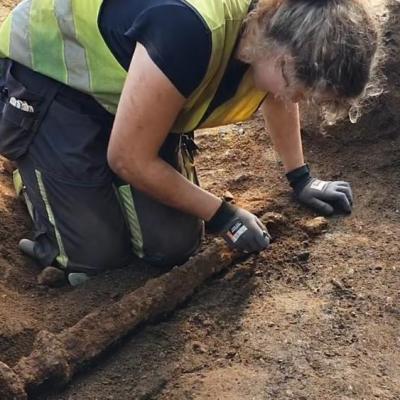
[{"x": 171, "y": 256}]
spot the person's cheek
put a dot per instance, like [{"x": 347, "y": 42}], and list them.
[
  {"x": 259, "y": 79},
  {"x": 263, "y": 82},
  {"x": 297, "y": 97},
  {"x": 267, "y": 83}
]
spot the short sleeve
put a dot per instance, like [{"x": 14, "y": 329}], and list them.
[{"x": 178, "y": 41}]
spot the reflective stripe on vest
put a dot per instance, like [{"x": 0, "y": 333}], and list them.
[
  {"x": 61, "y": 39},
  {"x": 75, "y": 56},
  {"x": 17, "y": 42}
]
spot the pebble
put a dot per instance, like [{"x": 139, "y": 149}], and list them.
[
  {"x": 337, "y": 284},
  {"x": 199, "y": 347},
  {"x": 230, "y": 354},
  {"x": 8, "y": 166},
  {"x": 274, "y": 219},
  {"x": 52, "y": 277},
  {"x": 228, "y": 196},
  {"x": 303, "y": 256},
  {"x": 224, "y": 131},
  {"x": 315, "y": 226},
  {"x": 115, "y": 295}
]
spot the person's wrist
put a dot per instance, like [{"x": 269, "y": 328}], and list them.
[
  {"x": 299, "y": 177},
  {"x": 218, "y": 221}
]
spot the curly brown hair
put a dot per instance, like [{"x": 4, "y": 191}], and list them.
[{"x": 333, "y": 43}]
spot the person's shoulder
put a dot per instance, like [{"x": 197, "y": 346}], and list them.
[
  {"x": 178, "y": 41},
  {"x": 178, "y": 12}
]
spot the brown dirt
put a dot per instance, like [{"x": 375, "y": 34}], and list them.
[{"x": 315, "y": 317}]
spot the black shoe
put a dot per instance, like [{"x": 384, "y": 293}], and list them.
[{"x": 27, "y": 246}]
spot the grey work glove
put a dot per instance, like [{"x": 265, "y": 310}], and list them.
[
  {"x": 241, "y": 229},
  {"x": 325, "y": 197}
]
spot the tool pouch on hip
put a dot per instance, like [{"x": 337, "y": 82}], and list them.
[
  {"x": 188, "y": 150},
  {"x": 179, "y": 151},
  {"x": 21, "y": 111}
]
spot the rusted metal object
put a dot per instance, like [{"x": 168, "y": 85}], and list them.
[{"x": 57, "y": 357}]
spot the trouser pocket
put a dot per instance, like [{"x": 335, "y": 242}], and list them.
[
  {"x": 21, "y": 111},
  {"x": 17, "y": 128}
]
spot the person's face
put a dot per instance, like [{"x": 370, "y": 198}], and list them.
[
  {"x": 276, "y": 76},
  {"x": 273, "y": 75}
]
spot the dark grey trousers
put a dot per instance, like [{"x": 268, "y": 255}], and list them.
[{"x": 85, "y": 218}]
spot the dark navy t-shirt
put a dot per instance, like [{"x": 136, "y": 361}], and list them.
[{"x": 176, "y": 38}]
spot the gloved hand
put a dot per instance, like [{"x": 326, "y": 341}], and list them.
[
  {"x": 325, "y": 197},
  {"x": 241, "y": 229}
]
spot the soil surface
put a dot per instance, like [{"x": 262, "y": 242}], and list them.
[{"x": 317, "y": 316}]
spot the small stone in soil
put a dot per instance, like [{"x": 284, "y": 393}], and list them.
[
  {"x": 337, "y": 284},
  {"x": 231, "y": 354},
  {"x": 8, "y": 166},
  {"x": 315, "y": 226},
  {"x": 273, "y": 219},
  {"x": 228, "y": 196},
  {"x": 115, "y": 295},
  {"x": 303, "y": 256},
  {"x": 199, "y": 347},
  {"x": 52, "y": 277}
]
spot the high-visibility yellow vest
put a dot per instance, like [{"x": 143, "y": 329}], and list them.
[{"x": 61, "y": 39}]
